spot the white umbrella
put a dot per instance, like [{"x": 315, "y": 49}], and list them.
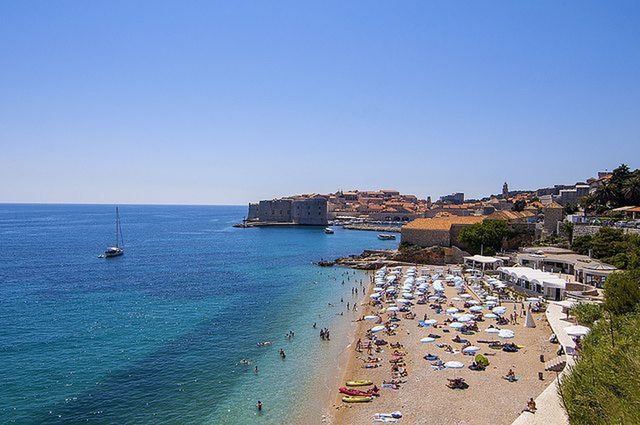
[
  {"x": 499, "y": 310},
  {"x": 492, "y": 330},
  {"x": 467, "y": 296},
  {"x": 474, "y": 302},
  {"x": 378, "y": 289},
  {"x": 471, "y": 349},
  {"x": 377, "y": 328},
  {"x": 456, "y": 299},
  {"x": 506, "y": 333},
  {"x": 427, "y": 339},
  {"x": 407, "y": 295},
  {"x": 434, "y": 298},
  {"x": 456, "y": 325},
  {"x": 393, "y": 308},
  {"x": 402, "y": 301},
  {"x": 491, "y": 298},
  {"x": 577, "y": 330},
  {"x": 476, "y": 308},
  {"x": 376, "y": 295},
  {"x": 454, "y": 365},
  {"x": 452, "y": 310},
  {"x": 465, "y": 318},
  {"x": 371, "y": 317},
  {"x": 490, "y": 316},
  {"x": 430, "y": 321},
  {"x": 533, "y": 299}
]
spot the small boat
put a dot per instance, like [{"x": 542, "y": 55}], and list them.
[
  {"x": 117, "y": 250},
  {"x": 386, "y": 237},
  {"x": 328, "y": 231},
  {"x": 359, "y": 383},
  {"x": 356, "y": 399}
]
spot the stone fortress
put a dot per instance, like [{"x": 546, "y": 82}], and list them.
[{"x": 310, "y": 211}]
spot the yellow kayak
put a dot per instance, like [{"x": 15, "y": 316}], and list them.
[
  {"x": 359, "y": 383},
  {"x": 356, "y": 399}
]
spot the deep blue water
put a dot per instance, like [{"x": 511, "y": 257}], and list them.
[{"x": 156, "y": 335}]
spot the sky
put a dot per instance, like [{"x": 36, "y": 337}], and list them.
[{"x": 205, "y": 102}]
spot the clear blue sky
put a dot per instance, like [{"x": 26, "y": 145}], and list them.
[{"x": 226, "y": 102}]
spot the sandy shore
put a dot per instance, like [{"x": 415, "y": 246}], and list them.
[{"x": 424, "y": 397}]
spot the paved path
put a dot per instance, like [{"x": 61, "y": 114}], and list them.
[{"x": 550, "y": 410}]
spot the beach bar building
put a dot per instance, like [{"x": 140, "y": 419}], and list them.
[
  {"x": 483, "y": 262},
  {"x": 535, "y": 281}
]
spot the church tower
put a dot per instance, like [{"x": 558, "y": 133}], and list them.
[{"x": 505, "y": 190}]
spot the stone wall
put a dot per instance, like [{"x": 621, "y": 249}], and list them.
[
  {"x": 276, "y": 210},
  {"x": 588, "y": 230},
  {"x": 310, "y": 212},
  {"x": 426, "y": 237},
  {"x": 253, "y": 213}
]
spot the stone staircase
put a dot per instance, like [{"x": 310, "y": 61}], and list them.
[{"x": 556, "y": 365}]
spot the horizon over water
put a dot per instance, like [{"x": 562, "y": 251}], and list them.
[{"x": 157, "y": 334}]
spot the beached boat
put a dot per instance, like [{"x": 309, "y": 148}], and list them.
[
  {"x": 386, "y": 237},
  {"x": 117, "y": 250},
  {"x": 356, "y": 399},
  {"x": 359, "y": 383},
  {"x": 329, "y": 231}
]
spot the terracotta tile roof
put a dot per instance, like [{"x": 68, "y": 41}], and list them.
[
  {"x": 442, "y": 222},
  {"x": 510, "y": 215}
]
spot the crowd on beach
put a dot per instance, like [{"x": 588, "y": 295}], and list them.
[{"x": 478, "y": 307}]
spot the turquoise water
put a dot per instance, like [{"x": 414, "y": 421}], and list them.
[{"x": 155, "y": 336}]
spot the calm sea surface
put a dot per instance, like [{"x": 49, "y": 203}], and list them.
[{"x": 156, "y": 336}]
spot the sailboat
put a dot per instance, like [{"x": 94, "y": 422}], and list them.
[{"x": 117, "y": 250}]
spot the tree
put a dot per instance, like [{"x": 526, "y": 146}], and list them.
[
  {"x": 586, "y": 314},
  {"x": 622, "y": 292},
  {"x": 489, "y": 233},
  {"x": 519, "y": 205},
  {"x": 570, "y": 209}
]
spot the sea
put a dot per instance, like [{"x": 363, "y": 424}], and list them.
[{"x": 168, "y": 332}]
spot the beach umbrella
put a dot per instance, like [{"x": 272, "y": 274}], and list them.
[
  {"x": 499, "y": 310},
  {"x": 577, "y": 330},
  {"x": 492, "y": 330},
  {"x": 456, "y": 299},
  {"x": 533, "y": 299},
  {"x": 402, "y": 301},
  {"x": 528, "y": 322},
  {"x": 470, "y": 349},
  {"x": 490, "y": 316},
  {"x": 466, "y": 296},
  {"x": 376, "y": 295},
  {"x": 454, "y": 365},
  {"x": 378, "y": 289},
  {"x": 393, "y": 308},
  {"x": 452, "y": 310},
  {"x": 475, "y": 308},
  {"x": 427, "y": 340},
  {"x": 500, "y": 285},
  {"x": 377, "y": 328},
  {"x": 490, "y": 303},
  {"x": 407, "y": 295},
  {"x": 506, "y": 333},
  {"x": 464, "y": 318},
  {"x": 456, "y": 325},
  {"x": 371, "y": 317},
  {"x": 434, "y": 298},
  {"x": 430, "y": 321},
  {"x": 474, "y": 302},
  {"x": 491, "y": 298}
]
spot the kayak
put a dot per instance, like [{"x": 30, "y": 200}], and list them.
[
  {"x": 356, "y": 399},
  {"x": 352, "y": 391},
  {"x": 359, "y": 383}
]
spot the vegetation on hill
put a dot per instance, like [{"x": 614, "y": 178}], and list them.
[
  {"x": 604, "y": 385},
  {"x": 612, "y": 246},
  {"x": 622, "y": 189},
  {"x": 489, "y": 234}
]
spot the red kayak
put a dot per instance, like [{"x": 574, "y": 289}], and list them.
[{"x": 351, "y": 391}]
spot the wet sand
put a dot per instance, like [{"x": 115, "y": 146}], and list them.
[{"x": 424, "y": 397}]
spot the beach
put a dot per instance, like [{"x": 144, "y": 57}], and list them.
[{"x": 423, "y": 395}]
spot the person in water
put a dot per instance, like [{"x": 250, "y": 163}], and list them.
[
  {"x": 259, "y": 406},
  {"x": 282, "y": 354}
]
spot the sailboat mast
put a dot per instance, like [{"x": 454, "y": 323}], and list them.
[{"x": 117, "y": 228}]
